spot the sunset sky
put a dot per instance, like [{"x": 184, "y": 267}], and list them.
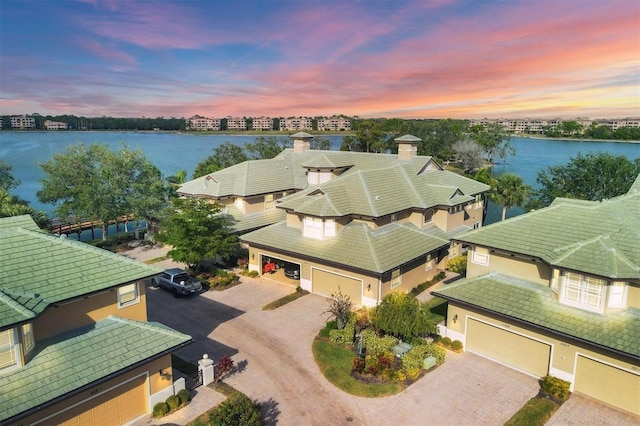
[{"x": 368, "y": 58}]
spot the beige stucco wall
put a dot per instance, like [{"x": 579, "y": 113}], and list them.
[
  {"x": 564, "y": 351},
  {"x": 518, "y": 267},
  {"x": 633, "y": 295},
  {"x": 155, "y": 383},
  {"x": 474, "y": 212},
  {"x": 83, "y": 312}
]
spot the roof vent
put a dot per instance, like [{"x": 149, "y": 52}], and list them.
[{"x": 377, "y": 197}]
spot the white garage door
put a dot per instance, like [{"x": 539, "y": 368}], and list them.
[
  {"x": 508, "y": 348},
  {"x": 608, "y": 384},
  {"x": 325, "y": 283}
]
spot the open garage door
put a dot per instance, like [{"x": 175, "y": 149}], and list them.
[
  {"x": 325, "y": 283},
  {"x": 508, "y": 348},
  {"x": 608, "y": 384},
  {"x": 281, "y": 270},
  {"x": 114, "y": 407}
]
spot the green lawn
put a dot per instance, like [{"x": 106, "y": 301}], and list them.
[
  {"x": 284, "y": 300},
  {"x": 536, "y": 412},
  {"x": 335, "y": 362}
]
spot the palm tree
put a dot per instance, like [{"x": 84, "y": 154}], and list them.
[{"x": 509, "y": 191}]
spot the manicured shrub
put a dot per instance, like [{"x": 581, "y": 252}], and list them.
[
  {"x": 173, "y": 402},
  {"x": 160, "y": 409},
  {"x": 458, "y": 264},
  {"x": 446, "y": 341},
  {"x": 184, "y": 396},
  {"x": 237, "y": 409},
  {"x": 375, "y": 344},
  {"x": 346, "y": 335},
  {"x": 358, "y": 365},
  {"x": 456, "y": 345},
  {"x": 223, "y": 367},
  {"x": 413, "y": 373},
  {"x": 331, "y": 325},
  {"x": 439, "y": 277},
  {"x": 414, "y": 358},
  {"x": 384, "y": 362},
  {"x": 436, "y": 351},
  {"x": 556, "y": 387}
]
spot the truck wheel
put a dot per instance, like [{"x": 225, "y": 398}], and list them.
[
  {"x": 175, "y": 293},
  {"x": 154, "y": 283}
]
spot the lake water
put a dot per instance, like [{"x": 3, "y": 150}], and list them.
[{"x": 172, "y": 152}]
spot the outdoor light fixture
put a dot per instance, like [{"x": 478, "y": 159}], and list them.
[
  {"x": 253, "y": 256},
  {"x": 163, "y": 374},
  {"x": 455, "y": 318},
  {"x": 369, "y": 287}
]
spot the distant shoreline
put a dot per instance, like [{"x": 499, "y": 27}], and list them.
[{"x": 527, "y": 136}]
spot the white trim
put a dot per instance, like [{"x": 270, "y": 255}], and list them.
[
  {"x": 128, "y": 303},
  {"x": 26, "y": 349},
  {"x": 146, "y": 374},
  {"x": 478, "y": 257}
]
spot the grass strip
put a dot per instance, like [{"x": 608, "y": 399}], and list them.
[
  {"x": 156, "y": 260},
  {"x": 536, "y": 412},
  {"x": 336, "y": 362},
  {"x": 284, "y": 300}
]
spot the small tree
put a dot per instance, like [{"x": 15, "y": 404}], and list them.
[
  {"x": 197, "y": 230},
  {"x": 404, "y": 316},
  {"x": 339, "y": 306}
]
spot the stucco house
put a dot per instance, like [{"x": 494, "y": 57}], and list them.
[
  {"x": 75, "y": 344},
  {"x": 365, "y": 223},
  {"x": 557, "y": 291}
]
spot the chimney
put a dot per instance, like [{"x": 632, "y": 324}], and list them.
[
  {"x": 407, "y": 147},
  {"x": 301, "y": 142}
]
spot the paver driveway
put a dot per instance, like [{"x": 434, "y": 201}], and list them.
[{"x": 273, "y": 349}]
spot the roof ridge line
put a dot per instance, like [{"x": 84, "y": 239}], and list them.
[
  {"x": 13, "y": 304},
  {"x": 150, "y": 325}
]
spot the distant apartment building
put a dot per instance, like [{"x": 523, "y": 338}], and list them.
[
  {"x": 23, "y": 122},
  {"x": 199, "y": 123},
  {"x": 617, "y": 124},
  {"x": 296, "y": 123},
  {"x": 334, "y": 124},
  {"x": 55, "y": 125},
  {"x": 525, "y": 125},
  {"x": 262, "y": 123},
  {"x": 236, "y": 123}
]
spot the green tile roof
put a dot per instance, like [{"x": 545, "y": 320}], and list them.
[
  {"x": 537, "y": 305},
  {"x": 379, "y": 192},
  {"x": 287, "y": 172},
  {"x": 357, "y": 245},
  {"x": 82, "y": 357},
  {"x": 248, "y": 222},
  {"x": 40, "y": 269},
  {"x": 599, "y": 238}
]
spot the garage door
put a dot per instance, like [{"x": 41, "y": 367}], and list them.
[
  {"x": 325, "y": 283},
  {"x": 115, "y": 407},
  {"x": 608, "y": 384},
  {"x": 508, "y": 348}
]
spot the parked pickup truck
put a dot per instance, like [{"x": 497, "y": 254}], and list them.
[{"x": 178, "y": 282}]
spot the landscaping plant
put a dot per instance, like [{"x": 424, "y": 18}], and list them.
[{"x": 340, "y": 307}]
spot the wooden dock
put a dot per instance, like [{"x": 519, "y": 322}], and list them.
[{"x": 64, "y": 226}]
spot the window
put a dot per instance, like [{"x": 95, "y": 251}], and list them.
[
  {"x": 480, "y": 256},
  {"x": 618, "y": 295},
  {"x": 583, "y": 291},
  {"x": 8, "y": 348},
  {"x": 428, "y": 216},
  {"x": 268, "y": 201},
  {"x": 329, "y": 228},
  {"x": 315, "y": 227},
  {"x": 312, "y": 178},
  {"x": 428, "y": 265},
  {"x": 396, "y": 278},
  {"x": 478, "y": 201},
  {"x": 128, "y": 295},
  {"x": 27, "y": 337},
  {"x": 453, "y": 250}
]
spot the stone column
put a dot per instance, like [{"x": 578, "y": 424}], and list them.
[{"x": 206, "y": 366}]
